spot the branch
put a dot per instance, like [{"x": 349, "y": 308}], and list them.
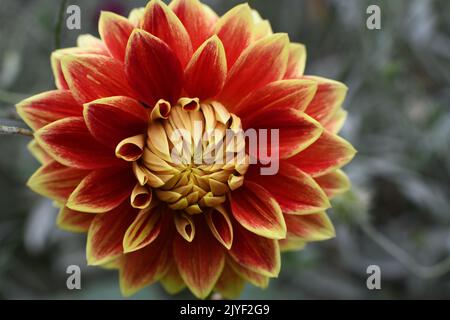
[
  {"x": 426, "y": 272},
  {"x": 15, "y": 130}
]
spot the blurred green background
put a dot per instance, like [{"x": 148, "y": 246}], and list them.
[{"x": 397, "y": 215}]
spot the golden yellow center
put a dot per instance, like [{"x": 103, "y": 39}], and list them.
[{"x": 194, "y": 155}]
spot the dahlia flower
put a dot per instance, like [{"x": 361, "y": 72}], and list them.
[{"x": 105, "y": 138}]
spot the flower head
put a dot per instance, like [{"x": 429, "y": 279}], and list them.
[{"x": 136, "y": 151}]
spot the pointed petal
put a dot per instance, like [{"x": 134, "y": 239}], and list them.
[
  {"x": 91, "y": 77},
  {"x": 329, "y": 97},
  {"x": 220, "y": 225},
  {"x": 115, "y": 31},
  {"x": 143, "y": 267},
  {"x": 327, "y": 154},
  {"x": 55, "y": 181},
  {"x": 74, "y": 221},
  {"x": 334, "y": 183},
  {"x": 336, "y": 122},
  {"x": 206, "y": 72},
  {"x": 185, "y": 226},
  {"x": 254, "y": 278},
  {"x": 70, "y": 143},
  {"x": 258, "y": 254},
  {"x": 297, "y": 61},
  {"x": 278, "y": 95},
  {"x": 172, "y": 281},
  {"x": 104, "y": 241},
  {"x": 235, "y": 29},
  {"x": 290, "y": 244},
  {"x": 144, "y": 229},
  {"x": 230, "y": 285},
  {"x": 42, "y": 109},
  {"x": 201, "y": 261},
  {"x": 196, "y": 18},
  {"x": 38, "y": 152},
  {"x": 102, "y": 190},
  {"x": 136, "y": 15},
  {"x": 296, "y": 132},
  {"x": 257, "y": 211},
  {"x": 310, "y": 227},
  {"x": 295, "y": 191},
  {"x": 57, "y": 55},
  {"x": 91, "y": 44},
  {"x": 152, "y": 68},
  {"x": 262, "y": 62},
  {"x": 110, "y": 120},
  {"x": 161, "y": 22}
]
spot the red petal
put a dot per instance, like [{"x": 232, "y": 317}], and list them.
[
  {"x": 296, "y": 132},
  {"x": 103, "y": 190},
  {"x": 258, "y": 254},
  {"x": 207, "y": 70},
  {"x": 56, "y": 181},
  {"x": 143, "y": 267},
  {"x": 220, "y": 225},
  {"x": 295, "y": 191},
  {"x": 334, "y": 183},
  {"x": 104, "y": 242},
  {"x": 74, "y": 221},
  {"x": 115, "y": 31},
  {"x": 91, "y": 77},
  {"x": 278, "y": 95},
  {"x": 310, "y": 227},
  {"x": 235, "y": 29},
  {"x": 257, "y": 211},
  {"x": 329, "y": 97},
  {"x": 70, "y": 143},
  {"x": 297, "y": 61},
  {"x": 327, "y": 154},
  {"x": 110, "y": 120},
  {"x": 38, "y": 152},
  {"x": 44, "y": 108},
  {"x": 161, "y": 22},
  {"x": 263, "y": 62},
  {"x": 201, "y": 261},
  {"x": 198, "y": 19},
  {"x": 254, "y": 278},
  {"x": 153, "y": 69}
]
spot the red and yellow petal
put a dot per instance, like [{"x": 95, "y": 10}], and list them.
[
  {"x": 296, "y": 131},
  {"x": 104, "y": 241},
  {"x": 70, "y": 143},
  {"x": 74, "y": 221},
  {"x": 161, "y": 21},
  {"x": 56, "y": 181},
  {"x": 153, "y": 69},
  {"x": 297, "y": 61},
  {"x": 220, "y": 225},
  {"x": 115, "y": 31},
  {"x": 172, "y": 281},
  {"x": 103, "y": 190},
  {"x": 262, "y": 62},
  {"x": 143, "y": 267},
  {"x": 334, "y": 183},
  {"x": 329, "y": 97},
  {"x": 42, "y": 109},
  {"x": 328, "y": 153},
  {"x": 198, "y": 19},
  {"x": 230, "y": 285},
  {"x": 201, "y": 261},
  {"x": 336, "y": 122},
  {"x": 206, "y": 72},
  {"x": 144, "y": 229},
  {"x": 235, "y": 29},
  {"x": 291, "y": 244},
  {"x": 254, "y": 278},
  {"x": 258, "y": 254},
  {"x": 279, "y": 95},
  {"x": 295, "y": 191},
  {"x": 258, "y": 211},
  {"x": 111, "y": 120},
  {"x": 38, "y": 152},
  {"x": 91, "y": 77},
  {"x": 310, "y": 227}
]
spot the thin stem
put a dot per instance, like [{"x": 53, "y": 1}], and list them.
[
  {"x": 408, "y": 261},
  {"x": 58, "y": 26},
  {"x": 15, "y": 131}
]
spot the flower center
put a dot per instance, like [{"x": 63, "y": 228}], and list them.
[{"x": 194, "y": 154}]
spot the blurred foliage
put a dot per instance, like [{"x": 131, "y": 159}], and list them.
[{"x": 399, "y": 120}]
